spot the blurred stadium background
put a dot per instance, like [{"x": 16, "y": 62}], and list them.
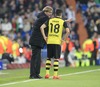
[{"x": 82, "y": 48}]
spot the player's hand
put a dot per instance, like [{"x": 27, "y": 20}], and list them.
[
  {"x": 67, "y": 41},
  {"x": 69, "y": 20},
  {"x": 62, "y": 41}
]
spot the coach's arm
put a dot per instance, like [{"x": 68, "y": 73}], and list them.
[{"x": 42, "y": 31}]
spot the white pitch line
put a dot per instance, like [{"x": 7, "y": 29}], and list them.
[
  {"x": 50, "y": 77},
  {"x": 2, "y": 73},
  {"x": 80, "y": 72},
  {"x": 19, "y": 82}
]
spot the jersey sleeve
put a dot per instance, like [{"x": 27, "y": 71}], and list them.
[{"x": 65, "y": 25}]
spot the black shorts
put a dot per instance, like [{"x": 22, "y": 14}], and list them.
[{"x": 53, "y": 51}]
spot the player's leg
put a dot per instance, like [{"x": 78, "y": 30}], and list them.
[
  {"x": 48, "y": 61},
  {"x": 57, "y": 52},
  {"x": 56, "y": 66},
  {"x": 48, "y": 65}
]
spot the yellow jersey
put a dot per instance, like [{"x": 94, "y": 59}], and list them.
[{"x": 55, "y": 26}]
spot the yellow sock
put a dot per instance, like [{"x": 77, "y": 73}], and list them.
[
  {"x": 48, "y": 64},
  {"x": 56, "y": 66}
]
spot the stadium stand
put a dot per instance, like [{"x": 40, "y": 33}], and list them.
[{"x": 17, "y": 19}]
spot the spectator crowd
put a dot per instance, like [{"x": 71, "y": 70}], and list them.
[{"x": 16, "y": 22}]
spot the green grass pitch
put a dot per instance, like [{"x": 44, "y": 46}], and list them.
[{"x": 70, "y": 77}]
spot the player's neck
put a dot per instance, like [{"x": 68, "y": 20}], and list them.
[{"x": 59, "y": 16}]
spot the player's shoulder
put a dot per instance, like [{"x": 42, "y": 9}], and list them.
[
  {"x": 51, "y": 18},
  {"x": 56, "y": 19}
]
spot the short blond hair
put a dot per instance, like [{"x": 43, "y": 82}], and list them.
[{"x": 47, "y": 9}]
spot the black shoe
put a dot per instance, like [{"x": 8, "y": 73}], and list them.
[
  {"x": 38, "y": 76},
  {"x": 35, "y": 77}
]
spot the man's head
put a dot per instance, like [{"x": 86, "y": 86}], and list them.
[
  {"x": 58, "y": 13},
  {"x": 48, "y": 10}
]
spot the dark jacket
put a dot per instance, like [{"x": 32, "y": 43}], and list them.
[{"x": 36, "y": 38}]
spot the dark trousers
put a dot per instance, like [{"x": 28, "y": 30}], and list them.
[{"x": 35, "y": 61}]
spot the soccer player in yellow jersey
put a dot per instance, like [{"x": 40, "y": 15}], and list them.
[{"x": 55, "y": 27}]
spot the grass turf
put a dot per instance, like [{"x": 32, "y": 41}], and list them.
[{"x": 19, "y": 76}]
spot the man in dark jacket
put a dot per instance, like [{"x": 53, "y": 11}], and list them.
[{"x": 37, "y": 42}]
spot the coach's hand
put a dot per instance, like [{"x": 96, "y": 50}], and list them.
[{"x": 46, "y": 38}]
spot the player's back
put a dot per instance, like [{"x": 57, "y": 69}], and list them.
[{"x": 55, "y": 26}]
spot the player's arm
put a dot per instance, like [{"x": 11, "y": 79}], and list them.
[
  {"x": 42, "y": 31},
  {"x": 68, "y": 20}
]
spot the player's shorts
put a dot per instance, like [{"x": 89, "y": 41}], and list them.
[{"x": 53, "y": 51}]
